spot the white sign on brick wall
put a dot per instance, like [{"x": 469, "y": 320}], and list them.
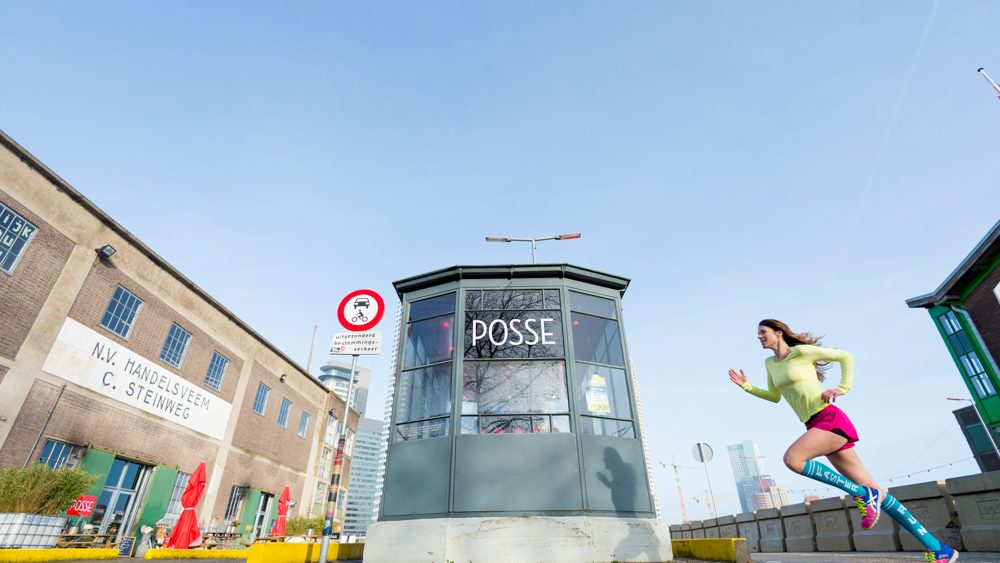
[{"x": 92, "y": 360}]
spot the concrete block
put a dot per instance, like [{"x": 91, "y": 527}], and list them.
[
  {"x": 883, "y": 537},
  {"x": 977, "y": 501},
  {"x": 711, "y": 528},
  {"x": 800, "y": 533},
  {"x": 833, "y": 524},
  {"x": 727, "y": 527},
  {"x": 686, "y": 531},
  {"x": 746, "y": 527},
  {"x": 934, "y": 508},
  {"x": 675, "y": 531},
  {"x": 549, "y": 539},
  {"x": 772, "y": 531},
  {"x": 697, "y": 530},
  {"x": 727, "y": 549}
]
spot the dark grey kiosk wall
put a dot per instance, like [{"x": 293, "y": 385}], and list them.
[{"x": 513, "y": 397}]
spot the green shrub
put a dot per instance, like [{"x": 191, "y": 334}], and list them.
[
  {"x": 40, "y": 490},
  {"x": 299, "y": 525}
]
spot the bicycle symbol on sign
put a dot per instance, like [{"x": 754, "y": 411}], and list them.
[{"x": 358, "y": 304}]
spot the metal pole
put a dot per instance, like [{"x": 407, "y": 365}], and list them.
[
  {"x": 701, "y": 451},
  {"x": 338, "y": 465},
  {"x": 44, "y": 426},
  {"x": 533, "y": 251}
]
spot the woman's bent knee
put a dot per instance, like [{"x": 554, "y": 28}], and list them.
[{"x": 793, "y": 463}]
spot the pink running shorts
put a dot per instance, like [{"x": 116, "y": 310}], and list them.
[{"x": 832, "y": 419}]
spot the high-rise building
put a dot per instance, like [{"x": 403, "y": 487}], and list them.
[
  {"x": 336, "y": 376},
  {"x": 756, "y": 489},
  {"x": 364, "y": 479},
  {"x": 390, "y": 391}
]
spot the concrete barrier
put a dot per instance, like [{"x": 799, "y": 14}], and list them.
[
  {"x": 833, "y": 523},
  {"x": 713, "y": 549},
  {"x": 711, "y": 528},
  {"x": 883, "y": 537},
  {"x": 675, "y": 531},
  {"x": 800, "y": 534},
  {"x": 61, "y": 554},
  {"x": 772, "y": 530},
  {"x": 727, "y": 526},
  {"x": 746, "y": 527},
  {"x": 977, "y": 501},
  {"x": 931, "y": 504},
  {"x": 686, "y": 531},
  {"x": 697, "y": 530}
]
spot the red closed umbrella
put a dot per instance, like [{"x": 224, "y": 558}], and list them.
[
  {"x": 279, "y": 523},
  {"x": 186, "y": 533}
]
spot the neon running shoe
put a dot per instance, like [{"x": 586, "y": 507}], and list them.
[
  {"x": 870, "y": 506},
  {"x": 943, "y": 555}
]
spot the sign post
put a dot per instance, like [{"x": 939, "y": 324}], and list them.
[{"x": 358, "y": 312}]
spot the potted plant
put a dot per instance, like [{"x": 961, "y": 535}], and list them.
[{"x": 33, "y": 503}]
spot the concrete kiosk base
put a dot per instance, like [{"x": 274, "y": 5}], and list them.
[{"x": 548, "y": 539}]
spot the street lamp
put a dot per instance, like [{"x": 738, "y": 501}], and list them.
[
  {"x": 989, "y": 431},
  {"x": 534, "y": 240}
]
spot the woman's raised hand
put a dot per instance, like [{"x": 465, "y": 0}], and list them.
[{"x": 738, "y": 378}]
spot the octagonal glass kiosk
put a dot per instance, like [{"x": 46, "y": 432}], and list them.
[{"x": 514, "y": 434}]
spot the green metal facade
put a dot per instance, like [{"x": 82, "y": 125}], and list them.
[
  {"x": 563, "y": 471},
  {"x": 989, "y": 406}
]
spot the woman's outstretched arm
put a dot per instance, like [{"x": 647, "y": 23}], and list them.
[{"x": 739, "y": 378}]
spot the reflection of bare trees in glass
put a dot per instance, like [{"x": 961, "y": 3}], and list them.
[
  {"x": 514, "y": 387},
  {"x": 424, "y": 393}
]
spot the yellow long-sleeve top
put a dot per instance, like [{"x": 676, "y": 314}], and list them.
[{"x": 794, "y": 378}]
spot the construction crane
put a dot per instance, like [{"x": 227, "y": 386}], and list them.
[
  {"x": 677, "y": 476},
  {"x": 707, "y": 499}
]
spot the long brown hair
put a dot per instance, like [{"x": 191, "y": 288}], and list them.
[{"x": 793, "y": 339}]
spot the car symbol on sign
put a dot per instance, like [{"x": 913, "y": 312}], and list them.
[{"x": 361, "y": 302}]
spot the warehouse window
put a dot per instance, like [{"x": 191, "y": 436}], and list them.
[
  {"x": 121, "y": 312},
  {"x": 174, "y": 507},
  {"x": 961, "y": 346},
  {"x": 175, "y": 345},
  {"x": 303, "y": 424},
  {"x": 260, "y": 401},
  {"x": 15, "y": 234},
  {"x": 216, "y": 371},
  {"x": 283, "y": 413},
  {"x": 57, "y": 454},
  {"x": 234, "y": 508}
]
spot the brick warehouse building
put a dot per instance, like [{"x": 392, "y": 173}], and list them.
[{"x": 124, "y": 367}]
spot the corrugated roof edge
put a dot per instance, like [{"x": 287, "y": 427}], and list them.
[
  {"x": 511, "y": 271},
  {"x": 986, "y": 249},
  {"x": 76, "y": 196}
]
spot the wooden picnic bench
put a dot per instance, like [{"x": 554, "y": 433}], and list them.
[{"x": 86, "y": 540}]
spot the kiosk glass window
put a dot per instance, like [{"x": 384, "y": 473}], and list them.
[
  {"x": 514, "y": 376},
  {"x": 424, "y": 396},
  {"x": 599, "y": 374}
]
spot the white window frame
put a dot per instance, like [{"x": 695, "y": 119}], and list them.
[
  {"x": 172, "y": 345},
  {"x": 116, "y": 317},
  {"x": 283, "y": 412},
  {"x": 224, "y": 361},
  {"x": 4, "y": 236},
  {"x": 261, "y": 398}
]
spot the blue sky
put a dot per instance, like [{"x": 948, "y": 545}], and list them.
[{"x": 814, "y": 163}]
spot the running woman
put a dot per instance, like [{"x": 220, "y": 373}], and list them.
[{"x": 795, "y": 372}]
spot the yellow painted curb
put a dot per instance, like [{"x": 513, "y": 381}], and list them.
[
  {"x": 60, "y": 554},
  {"x": 302, "y": 552},
  {"x": 197, "y": 554},
  {"x": 714, "y": 549}
]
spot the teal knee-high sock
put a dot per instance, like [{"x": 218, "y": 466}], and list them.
[
  {"x": 900, "y": 514},
  {"x": 819, "y": 472}
]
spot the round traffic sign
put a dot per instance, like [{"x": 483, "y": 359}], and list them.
[
  {"x": 702, "y": 452},
  {"x": 360, "y": 310}
]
